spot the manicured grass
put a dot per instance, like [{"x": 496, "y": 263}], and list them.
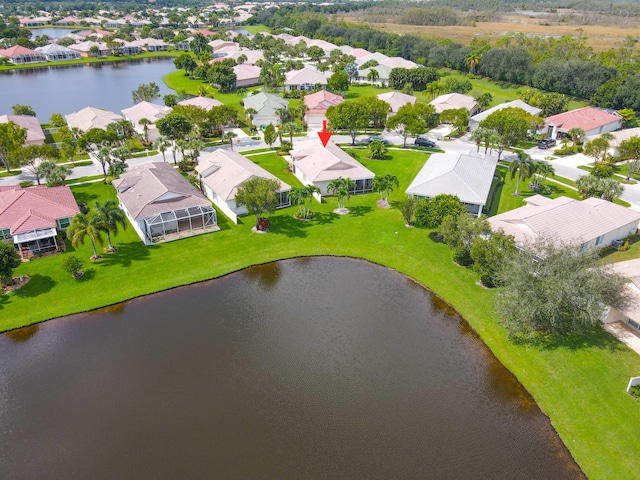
[
  {"x": 618, "y": 256},
  {"x": 579, "y": 383},
  {"x": 83, "y": 179},
  {"x": 256, "y": 28},
  {"x": 12, "y": 173},
  {"x": 276, "y": 165},
  {"x": 84, "y": 60}
]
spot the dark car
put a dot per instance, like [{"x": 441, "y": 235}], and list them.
[
  {"x": 374, "y": 138},
  {"x": 546, "y": 143},
  {"x": 424, "y": 142}
]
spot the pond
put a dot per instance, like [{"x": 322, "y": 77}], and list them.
[
  {"x": 53, "y": 32},
  {"x": 68, "y": 89},
  {"x": 318, "y": 368}
]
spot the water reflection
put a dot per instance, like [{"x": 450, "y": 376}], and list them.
[{"x": 23, "y": 334}]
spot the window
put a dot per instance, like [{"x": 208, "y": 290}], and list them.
[
  {"x": 599, "y": 240},
  {"x": 64, "y": 223},
  {"x": 5, "y": 234}
]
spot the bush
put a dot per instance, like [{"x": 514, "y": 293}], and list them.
[
  {"x": 83, "y": 208},
  {"x": 635, "y": 392},
  {"x": 186, "y": 165},
  {"x": 73, "y": 266},
  {"x": 624, "y": 247},
  {"x": 431, "y": 212},
  {"x": 26, "y": 183},
  {"x": 285, "y": 148}
]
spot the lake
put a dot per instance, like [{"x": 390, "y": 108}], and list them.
[
  {"x": 316, "y": 368},
  {"x": 52, "y": 32},
  {"x": 71, "y": 88}
]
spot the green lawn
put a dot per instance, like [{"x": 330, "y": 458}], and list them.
[
  {"x": 579, "y": 384},
  {"x": 277, "y": 166},
  {"x": 256, "y": 28}
]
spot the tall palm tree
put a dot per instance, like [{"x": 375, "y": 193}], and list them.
[
  {"x": 229, "y": 136},
  {"x": 196, "y": 146},
  {"x": 472, "y": 60},
  {"x": 544, "y": 170},
  {"x": 611, "y": 188},
  {"x": 111, "y": 217},
  {"x": 290, "y": 128},
  {"x": 83, "y": 226},
  {"x": 373, "y": 75},
  {"x": 162, "y": 144},
  {"x": 145, "y": 122},
  {"x": 250, "y": 113},
  {"x": 297, "y": 197},
  {"x": 384, "y": 184},
  {"x": 522, "y": 166},
  {"x": 341, "y": 188}
]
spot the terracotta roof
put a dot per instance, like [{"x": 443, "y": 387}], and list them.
[
  {"x": 305, "y": 75},
  {"x": 319, "y": 102},
  {"x": 586, "y": 118},
  {"x": 26, "y": 209},
  {"x": 153, "y": 188},
  {"x": 246, "y": 71},
  {"x": 17, "y": 50}
]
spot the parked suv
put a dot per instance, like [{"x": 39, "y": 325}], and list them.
[
  {"x": 374, "y": 138},
  {"x": 424, "y": 142},
  {"x": 546, "y": 143}
]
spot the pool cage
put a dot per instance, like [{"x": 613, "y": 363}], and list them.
[{"x": 180, "y": 223}]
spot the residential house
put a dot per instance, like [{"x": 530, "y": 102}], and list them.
[
  {"x": 205, "y": 103},
  {"x": 305, "y": 79},
  {"x": 251, "y": 56},
  {"x": 618, "y": 137},
  {"x": 128, "y": 48},
  {"x": 152, "y": 112},
  {"x": 354, "y": 52},
  {"x": 246, "y": 75},
  {"x": 593, "y": 222},
  {"x": 592, "y": 120},
  {"x": 162, "y": 205},
  {"x": 91, "y": 117},
  {"x": 467, "y": 175},
  {"x": 399, "y": 62},
  {"x": 316, "y": 165},
  {"x": 34, "y": 22},
  {"x": 377, "y": 56},
  {"x": 117, "y": 23},
  {"x": 383, "y": 75},
  {"x": 86, "y": 49},
  {"x": 35, "y": 135},
  {"x": 218, "y": 43},
  {"x": 31, "y": 217},
  {"x": 317, "y": 105},
  {"x": 20, "y": 55},
  {"x": 396, "y": 100},
  {"x": 455, "y": 101},
  {"x": 266, "y": 105},
  {"x": 222, "y": 172},
  {"x": 474, "y": 121},
  {"x": 54, "y": 53},
  {"x": 68, "y": 21},
  {"x": 151, "y": 44}
]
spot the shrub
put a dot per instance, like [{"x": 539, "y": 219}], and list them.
[
  {"x": 431, "y": 213},
  {"x": 26, "y": 183},
  {"x": 72, "y": 265}
]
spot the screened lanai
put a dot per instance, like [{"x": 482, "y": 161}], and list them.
[{"x": 180, "y": 223}]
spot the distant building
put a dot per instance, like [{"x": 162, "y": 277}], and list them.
[
  {"x": 20, "y": 55},
  {"x": 55, "y": 53},
  {"x": 305, "y": 79},
  {"x": 90, "y": 117},
  {"x": 455, "y": 101}
]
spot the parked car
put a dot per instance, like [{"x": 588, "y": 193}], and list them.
[
  {"x": 424, "y": 142},
  {"x": 546, "y": 143},
  {"x": 374, "y": 138}
]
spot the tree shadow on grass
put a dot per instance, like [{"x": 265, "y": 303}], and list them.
[
  {"x": 289, "y": 226},
  {"x": 359, "y": 211},
  {"x": 36, "y": 286},
  {"x": 595, "y": 337},
  {"x": 324, "y": 218},
  {"x": 88, "y": 275},
  {"x": 127, "y": 254},
  {"x": 436, "y": 237},
  {"x": 84, "y": 197},
  {"x": 4, "y": 300}
]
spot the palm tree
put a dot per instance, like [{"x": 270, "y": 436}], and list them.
[
  {"x": 229, "y": 136},
  {"x": 250, "y": 113},
  {"x": 145, "y": 122},
  {"x": 373, "y": 75},
  {"x": 472, "y": 60},
  {"x": 282, "y": 113},
  {"x": 297, "y": 197},
  {"x": 478, "y": 136},
  {"x": 576, "y": 134},
  {"x": 611, "y": 188},
  {"x": 82, "y": 226},
  {"x": 111, "y": 217},
  {"x": 202, "y": 91},
  {"x": 104, "y": 156},
  {"x": 544, "y": 170},
  {"x": 196, "y": 146},
  {"x": 522, "y": 166},
  {"x": 384, "y": 185},
  {"x": 341, "y": 188},
  {"x": 162, "y": 144},
  {"x": 290, "y": 128}
]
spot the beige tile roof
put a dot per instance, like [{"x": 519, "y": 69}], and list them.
[
  {"x": 564, "y": 218},
  {"x": 35, "y": 134},
  {"x": 397, "y": 99},
  {"x": 154, "y": 188},
  {"x": 91, "y": 117},
  {"x": 452, "y": 101},
  {"x": 148, "y": 110},
  {"x": 321, "y": 164},
  {"x": 224, "y": 172},
  {"x": 305, "y": 75},
  {"x": 202, "y": 102}
]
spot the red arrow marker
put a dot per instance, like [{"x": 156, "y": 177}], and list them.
[{"x": 324, "y": 135}]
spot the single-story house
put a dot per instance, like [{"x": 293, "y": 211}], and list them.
[
  {"x": 383, "y": 75},
  {"x": 316, "y": 165},
  {"x": 151, "y": 44},
  {"x": 247, "y": 75},
  {"x": 305, "y": 79},
  {"x": 31, "y": 217},
  {"x": 466, "y": 175},
  {"x": 86, "y": 49},
  {"x": 317, "y": 105},
  {"x": 397, "y": 100},
  {"x": 593, "y": 223},
  {"x": 205, "y": 103},
  {"x": 266, "y": 106},
  {"x": 222, "y": 172},
  {"x": 252, "y": 56},
  {"x": 474, "y": 121},
  {"x": 34, "y": 22},
  {"x": 91, "y": 117},
  {"x": 117, "y": 23},
  {"x": 162, "y": 205},
  {"x": 590, "y": 119},
  {"x": 377, "y": 56},
  {"x": 152, "y": 112},
  {"x": 20, "y": 55},
  {"x": 54, "y": 52},
  {"x": 619, "y": 136},
  {"x": 354, "y": 52},
  {"x": 218, "y": 43},
  {"x": 35, "y": 135},
  {"x": 128, "y": 48},
  {"x": 68, "y": 21},
  {"x": 398, "y": 62},
  {"x": 455, "y": 101}
]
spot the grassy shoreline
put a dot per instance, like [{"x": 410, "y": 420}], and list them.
[
  {"x": 85, "y": 60},
  {"x": 579, "y": 384}
]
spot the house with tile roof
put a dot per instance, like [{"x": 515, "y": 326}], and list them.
[
  {"x": 91, "y": 117},
  {"x": 305, "y": 79},
  {"x": 54, "y": 52},
  {"x": 151, "y": 44},
  {"x": 86, "y": 49},
  {"x": 316, "y": 165},
  {"x": 474, "y": 121},
  {"x": 619, "y": 136},
  {"x": 266, "y": 105},
  {"x": 396, "y": 100},
  {"x": 31, "y": 218},
  {"x": 162, "y": 205},
  {"x": 466, "y": 175},
  {"x": 455, "y": 101},
  {"x": 247, "y": 75},
  {"x": 317, "y": 105},
  {"x": 592, "y": 120},
  {"x": 591, "y": 223},
  {"x": 35, "y": 134},
  {"x": 205, "y": 103},
  {"x": 222, "y": 172},
  {"x": 20, "y": 55},
  {"x": 383, "y": 75},
  {"x": 152, "y": 112}
]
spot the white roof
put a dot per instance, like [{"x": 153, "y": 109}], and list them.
[
  {"x": 377, "y": 56},
  {"x": 454, "y": 101},
  {"x": 148, "y": 110},
  {"x": 398, "y": 62},
  {"x": 467, "y": 175},
  {"x": 265, "y": 103},
  {"x": 321, "y": 164},
  {"x": 90, "y": 117},
  {"x": 154, "y": 42},
  {"x": 564, "y": 218},
  {"x": 202, "y": 102},
  {"x": 306, "y": 75},
  {"x": 53, "y": 48},
  {"x": 383, "y": 71},
  {"x": 513, "y": 104},
  {"x": 225, "y": 171},
  {"x": 397, "y": 99}
]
